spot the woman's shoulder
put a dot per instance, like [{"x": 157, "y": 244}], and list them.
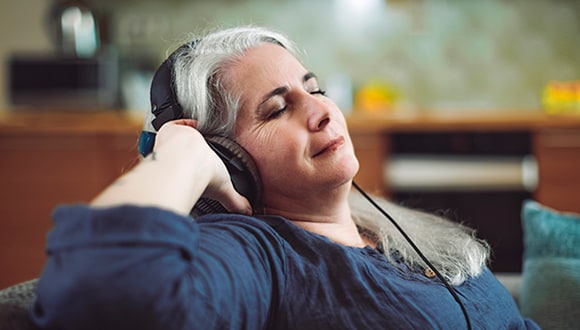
[
  {"x": 251, "y": 230},
  {"x": 294, "y": 240},
  {"x": 233, "y": 218},
  {"x": 269, "y": 224}
]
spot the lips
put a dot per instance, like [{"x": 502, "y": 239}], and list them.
[{"x": 333, "y": 145}]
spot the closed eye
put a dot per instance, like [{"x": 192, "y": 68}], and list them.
[
  {"x": 281, "y": 111},
  {"x": 277, "y": 113}
]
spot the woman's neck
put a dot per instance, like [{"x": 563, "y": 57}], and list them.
[{"x": 330, "y": 218}]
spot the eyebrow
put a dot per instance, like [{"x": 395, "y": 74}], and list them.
[
  {"x": 308, "y": 76},
  {"x": 284, "y": 89}
]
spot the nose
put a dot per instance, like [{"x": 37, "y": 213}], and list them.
[{"x": 318, "y": 113}]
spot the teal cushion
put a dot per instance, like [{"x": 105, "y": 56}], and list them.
[{"x": 550, "y": 292}]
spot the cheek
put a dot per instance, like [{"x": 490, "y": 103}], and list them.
[
  {"x": 263, "y": 147},
  {"x": 273, "y": 151}
]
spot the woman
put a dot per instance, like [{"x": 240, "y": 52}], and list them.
[{"x": 306, "y": 259}]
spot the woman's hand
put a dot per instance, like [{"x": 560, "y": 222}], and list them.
[
  {"x": 180, "y": 136},
  {"x": 181, "y": 168}
]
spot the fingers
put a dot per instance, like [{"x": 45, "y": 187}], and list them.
[
  {"x": 184, "y": 122},
  {"x": 175, "y": 124},
  {"x": 238, "y": 204},
  {"x": 226, "y": 194},
  {"x": 183, "y": 130}
]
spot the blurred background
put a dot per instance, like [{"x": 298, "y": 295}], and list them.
[
  {"x": 463, "y": 93},
  {"x": 447, "y": 54}
]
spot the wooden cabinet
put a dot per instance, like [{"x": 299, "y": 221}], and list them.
[
  {"x": 51, "y": 160},
  {"x": 371, "y": 148},
  {"x": 557, "y": 152}
]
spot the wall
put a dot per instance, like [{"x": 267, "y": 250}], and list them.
[{"x": 450, "y": 54}]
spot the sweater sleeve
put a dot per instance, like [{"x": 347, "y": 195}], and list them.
[{"x": 145, "y": 268}]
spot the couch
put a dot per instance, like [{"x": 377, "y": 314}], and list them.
[{"x": 15, "y": 302}]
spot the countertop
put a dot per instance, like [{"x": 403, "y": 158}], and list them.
[{"x": 126, "y": 121}]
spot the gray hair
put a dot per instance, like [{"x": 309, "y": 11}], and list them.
[
  {"x": 199, "y": 72},
  {"x": 451, "y": 247}
]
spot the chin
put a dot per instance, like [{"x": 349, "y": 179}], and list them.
[
  {"x": 351, "y": 167},
  {"x": 347, "y": 173}
]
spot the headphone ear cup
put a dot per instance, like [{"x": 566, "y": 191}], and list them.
[{"x": 243, "y": 172}]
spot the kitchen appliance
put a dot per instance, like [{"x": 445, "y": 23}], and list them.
[
  {"x": 74, "y": 28},
  {"x": 64, "y": 82},
  {"x": 80, "y": 74}
]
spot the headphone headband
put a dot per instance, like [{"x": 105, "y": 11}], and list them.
[{"x": 163, "y": 98}]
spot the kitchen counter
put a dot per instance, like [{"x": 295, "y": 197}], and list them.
[
  {"x": 460, "y": 120},
  {"x": 116, "y": 120},
  {"x": 70, "y": 121}
]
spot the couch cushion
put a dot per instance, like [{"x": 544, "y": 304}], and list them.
[
  {"x": 15, "y": 302},
  {"x": 550, "y": 292}
]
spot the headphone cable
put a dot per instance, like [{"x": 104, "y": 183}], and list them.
[{"x": 421, "y": 255}]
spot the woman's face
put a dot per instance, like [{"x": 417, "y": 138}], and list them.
[{"x": 296, "y": 135}]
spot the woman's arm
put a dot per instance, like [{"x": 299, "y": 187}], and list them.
[
  {"x": 180, "y": 169},
  {"x": 133, "y": 267}
]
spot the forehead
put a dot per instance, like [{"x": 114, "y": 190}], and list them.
[
  {"x": 263, "y": 68},
  {"x": 266, "y": 55}
]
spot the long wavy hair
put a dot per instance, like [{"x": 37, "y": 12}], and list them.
[{"x": 451, "y": 247}]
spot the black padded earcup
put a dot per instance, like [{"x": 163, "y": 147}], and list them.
[{"x": 243, "y": 171}]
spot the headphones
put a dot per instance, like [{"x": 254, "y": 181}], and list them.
[{"x": 165, "y": 107}]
